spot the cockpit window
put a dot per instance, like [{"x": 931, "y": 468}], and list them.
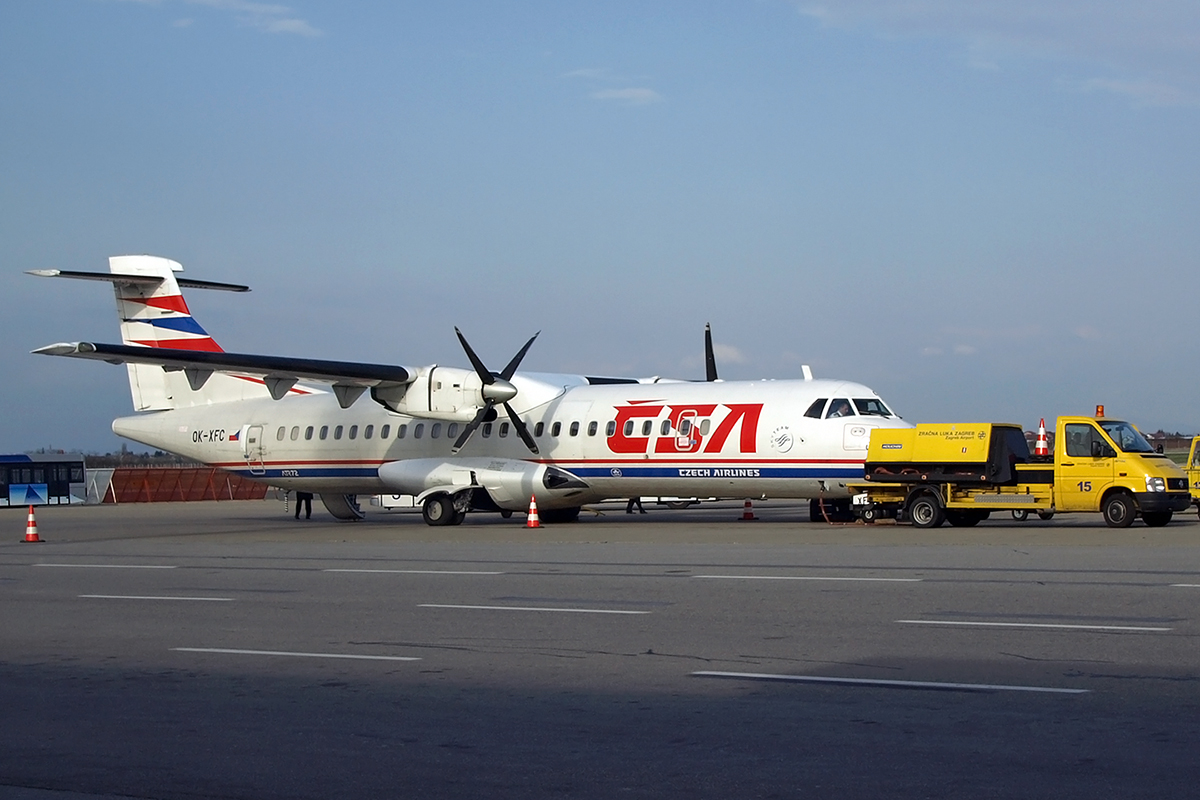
[
  {"x": 840, "y": 407},
  {"x": 814, "y": 411},
  {"x": 1127, "y": 437},
  {"x": 871, "y": 407}
]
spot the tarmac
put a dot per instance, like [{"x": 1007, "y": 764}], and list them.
[{"x": 227, "y": 650}]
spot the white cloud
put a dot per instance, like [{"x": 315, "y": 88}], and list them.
[
  {"x": 267, "y": 17},
  {"x": 631, "y": 96},
  {"x": 1146, "y": 51}
]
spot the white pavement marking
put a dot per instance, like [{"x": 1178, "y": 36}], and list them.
[
  {"x": 417, "y": 571},
  {"x": 111, "y": 566},
  {"x": 354, "y": 656},
  {"x": 805, "y": 578},
  {"x": 1031, "y": 625},
  {"x": 530, "y": 608},
  {"x": 962, "y": 687},
  {"x": 1185, "y": 585},
  {"x": 142, "y": 597}
]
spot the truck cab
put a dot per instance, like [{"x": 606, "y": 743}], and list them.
[{"x": 1106, "y": 465}]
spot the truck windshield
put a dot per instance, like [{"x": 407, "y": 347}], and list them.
[
  {"x": 1127, "y": 437},
  {"x": 872, "y": 407}
]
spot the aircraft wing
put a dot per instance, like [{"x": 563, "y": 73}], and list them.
[{"x": 349, "y": 379}]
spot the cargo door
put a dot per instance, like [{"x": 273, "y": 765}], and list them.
[
  {"x": 1086, "y": 469},
  {"x": 252, "y": 449}
]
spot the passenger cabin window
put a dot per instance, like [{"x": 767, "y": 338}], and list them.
[
  {"x": 814, "y": 411},
  {"x": 593, "y": 426},
  {"x": 647, "y": 426},
  {"x": 353, "y": 431},
  {"x": 337, "y": 432},
  {"x": 628, "y": 427},
  {"x": 871, "y": 407},
  {"x": 308, "y": 432},
  {"x": 418, "y": 429},
  {"x": 611, "y": 428},
  {"x": 840, "y": 407},
  {"x": 556, "y": 429},
  {"x": 487, "y": 430},
  {"x": 685, "y": 427},
  {"x": 503, "y": 429},
  {"x": 539, "y": 429},
  {"x": 666, "y": 427},
  {"x": 574, "y": 428},
  {"x": 324, "y": 433},
  {"x": 295, "y": 434},
  {"x": 279, "y": 434},
  {"x": 385, "y": 431},
  {"x": 705, "y": 425},
  {"x": 435, "y": 430},
  {"x": 368, "y": 431},
  {"x": 452, "y": 430},
  {"x": 401, "y": 431}
]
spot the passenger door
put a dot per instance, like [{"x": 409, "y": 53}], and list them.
[
  {"x": 252, "y": 449},
  {"x": 1086, "y": 468}
]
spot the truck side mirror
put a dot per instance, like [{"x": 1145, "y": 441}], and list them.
[{"x": 1102, "y": 450}]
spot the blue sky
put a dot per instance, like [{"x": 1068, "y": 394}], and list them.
[{"x": 985, "y": 211}]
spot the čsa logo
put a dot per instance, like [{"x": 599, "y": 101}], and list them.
[{"x": 684, "y": 434}]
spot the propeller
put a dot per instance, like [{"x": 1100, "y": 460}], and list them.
[
  {"x": 710, "y": 360},
  {"x": 497, "y": 389}
]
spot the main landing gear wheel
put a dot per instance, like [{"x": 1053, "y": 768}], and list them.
[
  {"x": 1119, "y": 511},
  {"x": 439, "y": 510},
  {"x": 926, "y": 512}
]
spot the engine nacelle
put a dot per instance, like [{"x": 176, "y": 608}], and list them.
[
  {"x": 509, "y": 482},
  {"x": 452, "y": 394}
]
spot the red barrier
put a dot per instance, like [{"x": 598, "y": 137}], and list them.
[{"x": 166, "y": 485}]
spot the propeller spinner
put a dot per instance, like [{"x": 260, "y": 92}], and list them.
[{"x": 497, "y": 389}]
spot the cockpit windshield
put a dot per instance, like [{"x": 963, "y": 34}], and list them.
[
  {"x": 1126, "y": 437},
  {"x": 872, "y": 407}
]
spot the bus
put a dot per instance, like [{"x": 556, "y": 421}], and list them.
[{"x": 42, "y": 479}]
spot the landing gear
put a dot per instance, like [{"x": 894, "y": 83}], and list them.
[{"x": 439, "y": 510}]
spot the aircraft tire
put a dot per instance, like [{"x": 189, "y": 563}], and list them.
[
  {"x": 438, "y": 510},
  {"x": 556, "y": 515}
]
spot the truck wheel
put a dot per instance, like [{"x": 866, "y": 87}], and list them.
[
  {"x": 926, "y": 512},
  {"x": 1046, "y": 515},
  {"x": 438, "y": 510},
  {"x": 1156, "y": 519},
  {"x": 963, "y": 519},
  {"x": 1020, "y": 514},
  {"x": 869, "y": 514},
  {"x": 1119, "y": 511}
]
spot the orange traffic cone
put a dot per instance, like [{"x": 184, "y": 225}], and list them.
[
  {"x": 31, "y": 534},
  {"x": 747, "y": 513},
  {"x": 1042, "y": 447},
  {"x": 532, "y": 520}
]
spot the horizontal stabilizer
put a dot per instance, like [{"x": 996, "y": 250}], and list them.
[
  {"x": 279, "y": 369},
  {"x": 148, "y": 280}
]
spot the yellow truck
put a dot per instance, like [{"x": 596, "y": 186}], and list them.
[
  {"x": 1192, "y": 468},
  {"x": 960, "y": 473}
]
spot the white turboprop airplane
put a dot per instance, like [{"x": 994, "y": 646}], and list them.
[{"x": 436, "y": 433}]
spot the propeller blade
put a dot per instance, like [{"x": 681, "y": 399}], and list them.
[
  {"x": 471, "y": 426},
  {"x": 522, "y": 431},
  {"x": 710, "y": 360},
  {"x": 508, "y": 371},
  {"x": 484, "y": 374}
]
